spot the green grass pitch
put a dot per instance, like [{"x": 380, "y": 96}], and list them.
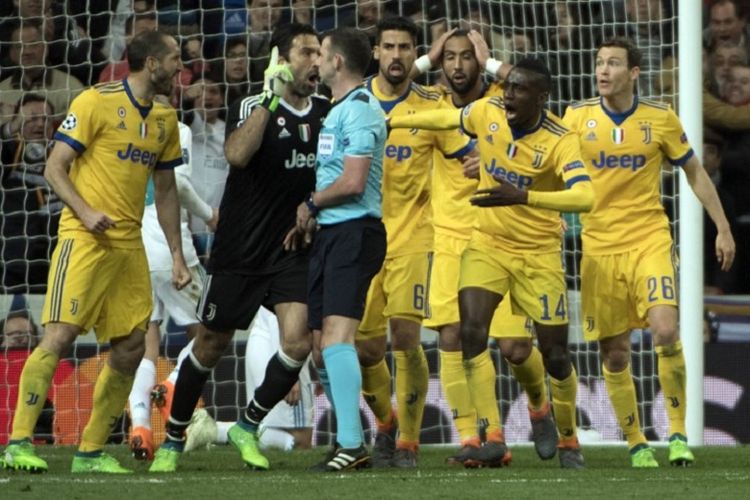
[{"x": 218, "y": 474}]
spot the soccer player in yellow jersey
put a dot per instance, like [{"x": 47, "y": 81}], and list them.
[
  {"x": 628, "y": 277},
  {"x": 463, "y": 55},
  {"x": 527, "y": 156},
  {"x": 113, "y": 138},
  {"x": 398, "y": 294}
]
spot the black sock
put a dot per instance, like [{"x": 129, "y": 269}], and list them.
[
  {"x": 187, "y": 392},
  {"x": 277, "y": 383}
]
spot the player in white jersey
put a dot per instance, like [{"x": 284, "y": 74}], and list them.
[
  {"x": 180, "y": 305},
  {"x": 289, "y": 424}
]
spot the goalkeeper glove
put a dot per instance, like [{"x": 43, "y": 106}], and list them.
[{"x": 275, "y": 78}]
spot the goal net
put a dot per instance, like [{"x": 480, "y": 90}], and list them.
[{"x": 224, "y": 47}]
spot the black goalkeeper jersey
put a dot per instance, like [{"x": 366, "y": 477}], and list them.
[{"x": 259, "y": 205}]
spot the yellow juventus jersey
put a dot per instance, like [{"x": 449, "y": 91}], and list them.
[
  {"x": 625, "y": 153},
  {"x": 545, "y": 158},
  {"x": 451, "y": 211},
  {"x": 407, "y": 169},
  {"x": 119, "y": 142}
]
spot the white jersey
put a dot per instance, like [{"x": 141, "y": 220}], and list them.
[
  {"x": 210, "y": 167},
  {"x": 157, "y": 249},
  {"x": 263, "y": 344}
]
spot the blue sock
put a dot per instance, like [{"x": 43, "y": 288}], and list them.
[
  {"x": 346, "y": 383},
  {"x": 323, "y": 376}
]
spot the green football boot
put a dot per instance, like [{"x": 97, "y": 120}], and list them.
[
  {"x": 165, "y": 459},
  {"x": 106, "y": 464},
  {"x": 21, "y": 455},
  {"x": 246, "y": 443},
  {"x": 642, "y": 457},
  {"x": 679, "y": 453}
]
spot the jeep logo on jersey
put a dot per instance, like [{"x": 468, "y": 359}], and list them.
[
  {"x": 138, "y": 155},
  {"x": 502, "y": 174},
  {"x": 300, "y": 160},
  {"x": 633, "y": 162},
  {"x": 400, "y": 153}
]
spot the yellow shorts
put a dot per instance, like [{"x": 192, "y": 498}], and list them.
[
  {"x": 443, "y": 299},
  {"x": 536, "y": 282},
  {"x": 100, "y": 287},
  {"x": 399, "y": 290},
  {"x": 617, "y": 290}
]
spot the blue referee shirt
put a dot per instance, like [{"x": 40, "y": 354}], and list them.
[{"x": 355, "y": 126}]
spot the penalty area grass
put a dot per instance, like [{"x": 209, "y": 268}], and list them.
[{"x": 218, "y": 474}]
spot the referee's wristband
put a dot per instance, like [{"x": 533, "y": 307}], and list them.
[
  {"x": 492, "y": 66},
  {"x": 423, "y": 64},
  {"x": 311, "y": 206}
]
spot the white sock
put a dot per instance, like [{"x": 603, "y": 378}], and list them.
[
  {"x": 221, "y": 432},
  {"x": 274, "y": 438},
  {"x": 140, "y": 394},
  {"x": 184, "y": 353}
]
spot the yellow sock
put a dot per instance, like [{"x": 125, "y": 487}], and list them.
[
  {"x": 672, "y": 380},
  {"x": 456, "y": 391},
  {"x": 412, "y": 377},
  {"x": 110, "y": 396},
  {"x": 480, "y": 377},
  {"x": 564, "y": 404},
  {"x": 621, "y": 392},
  {"x": 530, "y": 374},
  {"x": 376, "y": 389},
  {"x": 36, "y": 378}
]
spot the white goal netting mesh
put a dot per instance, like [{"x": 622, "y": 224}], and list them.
[{"x": 57, "y": 48}]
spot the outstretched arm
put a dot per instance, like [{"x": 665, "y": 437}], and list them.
[
  {"x": 578, "y": 198},
  {"x": 436, "y": 119}
]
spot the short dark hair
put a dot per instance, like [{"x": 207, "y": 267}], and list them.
[
  {"x": 540, "y": 69},
  {"x": 150, "y": 43},
  {"x": 32, "y": 97},
  {"x": 233, "y": 42},
  {"x": 711, "y": 136},
  {"x": 354, "y": 45},
  {"x": 739, "y": 9},
  {"x": 283, "y": 36},
  {"x": 130, "y": 21},
  {"x": 397, "y": 24},
  {"x": 634, "y": 54},
  {"x": 18, "y": 24}
]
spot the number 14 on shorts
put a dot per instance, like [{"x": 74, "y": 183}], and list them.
[{"x": 560, "y": 309}]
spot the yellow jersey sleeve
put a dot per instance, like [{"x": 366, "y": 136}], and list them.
[
  {"x": 82, "y": 124},
  {"x": 675, "y": 143},
  {"x": 171, "y": 155},
  {"x": 470, "y": 116}
]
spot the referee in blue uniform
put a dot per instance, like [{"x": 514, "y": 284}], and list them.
[{"x": 350, "y": 245}]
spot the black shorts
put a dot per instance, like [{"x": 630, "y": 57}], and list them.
[
  {"x": 344, "y": 259},
  {"x": 230, "y": 301}
]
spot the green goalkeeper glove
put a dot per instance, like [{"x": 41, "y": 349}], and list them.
[{"x": 275, "y": 78}]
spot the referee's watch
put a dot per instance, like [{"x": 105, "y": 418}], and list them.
[{"x": 311, "y": 206}]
